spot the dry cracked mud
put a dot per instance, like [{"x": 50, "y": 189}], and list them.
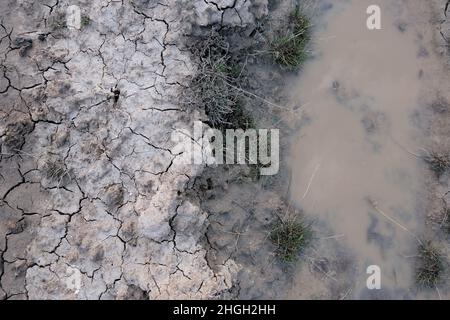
[{"x": 89, "y": 184}]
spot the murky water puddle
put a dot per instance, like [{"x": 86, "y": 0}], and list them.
[{"x": 350, "y": 167}]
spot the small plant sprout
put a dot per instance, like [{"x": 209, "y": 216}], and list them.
[
  {"x": 85, "y": 20},
  {"x": 55, "y": 170}
]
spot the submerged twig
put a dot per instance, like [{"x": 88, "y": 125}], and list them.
[
  {"x": 374, "y": 204},
  {"x": 310, "y": 181}
]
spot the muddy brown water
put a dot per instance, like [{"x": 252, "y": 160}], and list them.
[{"x": 360, "y": 92}]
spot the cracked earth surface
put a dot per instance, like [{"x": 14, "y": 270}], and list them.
[{"x": 90, "y": 185}]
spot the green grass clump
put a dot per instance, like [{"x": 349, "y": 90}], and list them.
[
  {"x": 58, "y": 21},
  {"x": 290, "y": 236},
  {"x": 430, "y": 265},
  {"x": 290, "y": 50}
]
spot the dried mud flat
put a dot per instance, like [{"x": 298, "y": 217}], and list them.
[{"x": 96, "y": 202}]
